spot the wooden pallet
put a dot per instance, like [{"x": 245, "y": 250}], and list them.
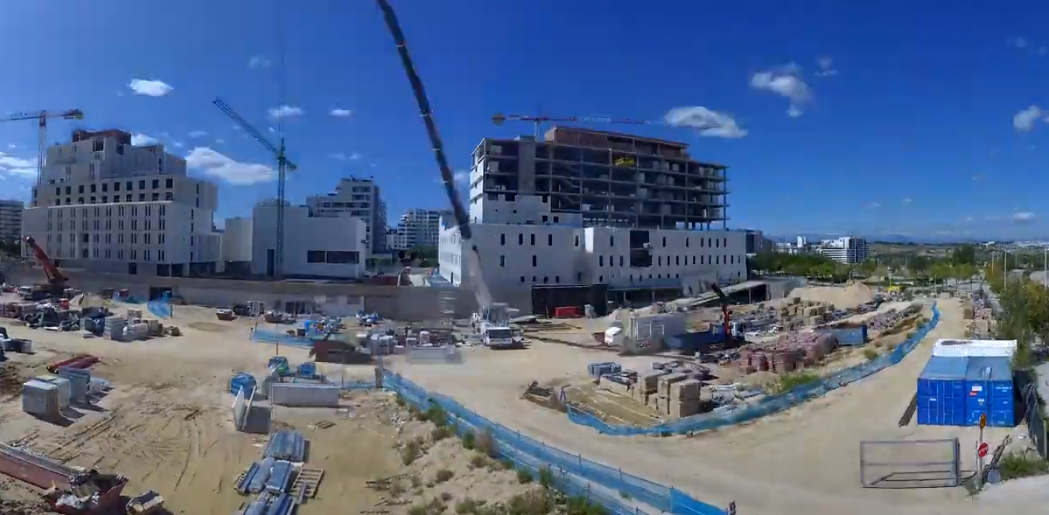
[{"x": 306, "y": 482}]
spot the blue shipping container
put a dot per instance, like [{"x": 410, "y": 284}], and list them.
[
  {"x": 941, "y": 392},
  {"x": 690, "y": 343},
  {"x": 849, "y": 335},
  {"x": 989, "y": 391}
]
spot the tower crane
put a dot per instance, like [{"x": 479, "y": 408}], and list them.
[
  {"x": 42, "y": 117},
  {"x": 500, "y": 119},
  {"x": 284, "y": 165}
]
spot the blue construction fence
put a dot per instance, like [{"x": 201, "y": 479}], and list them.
[
  {"x": 770, "y": 404},
  {"x": 161, "y": 308},
  {"x": 574, "y": 474},
  {"x": 262, "y": 335}
]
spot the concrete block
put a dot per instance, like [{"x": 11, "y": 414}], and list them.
[
  {"x": 683, "y": 390},
  {"x": 681, "y": 409},
  {"x": 649, "y": 381},
  {"x": 613, "y": 386},
  {"x": 664, "y": 383}
]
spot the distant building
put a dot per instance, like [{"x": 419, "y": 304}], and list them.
[
  {"x": 359, "y": 198},
  {"x": 418, "y": 228},
  {"x": 755, "y": 242},
  {"x": 848, "y": 250},
  {"x": 104, "y": 204},
  {"x": 335, "y": 245},
  {"x": 11, "y": 220}
]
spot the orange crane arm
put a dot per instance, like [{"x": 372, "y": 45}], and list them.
[{"x": 53, "y": 275}]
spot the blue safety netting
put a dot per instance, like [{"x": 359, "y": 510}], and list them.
[
  {"x": 574, "y": 474},
  {"x": 161, "y": 308},
  {"x": 770, "y": 404},
  {"x": 268, "y": 336}
]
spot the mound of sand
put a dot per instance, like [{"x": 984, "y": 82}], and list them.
[{"x": 841, "y": 298}]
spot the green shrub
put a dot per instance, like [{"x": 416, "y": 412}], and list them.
[
  {"x": 467, "y": 506},
  {"x": 870, "y": 354},
  {"x": 524, "y": 476},
  {"x": 792, "y": 380},
  {"x": 469, "y": 440},
  {"x": 579, "y": 505},
  {"x": 443, "y": 475},
  {"x": 1019, "y": 465},
  {"x": 440, "y": 433},
  {"x": 437, "y": 415},
  {"x": 411, "y": 452},
  {"x": 546, "y": 478},
  {"x": 477, "y": 461}
]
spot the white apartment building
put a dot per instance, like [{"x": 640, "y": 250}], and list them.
[
  {"x": 525, "y": 255},
  {"x": 330, "y": 246},
  {"x": 103, "y": 204},
  {"x": 11, "y": 220},
  {"x": 359, "y": 198},
  {"x": 848, "y": 250},
  {"x": 417, "y": 228}
]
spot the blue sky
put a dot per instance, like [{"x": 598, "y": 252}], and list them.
[{"x": 878, "y": 118}]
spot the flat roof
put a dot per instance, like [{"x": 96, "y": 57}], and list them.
[{"x": 616, "y": 135}]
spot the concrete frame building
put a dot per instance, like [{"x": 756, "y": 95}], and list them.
[
  {"x": 587, "y": 207},
  {"x": 103, "y": 204},
  {"x": 11, "y": 220},
  {"x": 360, "y": 198},
  {"x": 597, "y": 179},
  {"x": 848, "y": 250}
]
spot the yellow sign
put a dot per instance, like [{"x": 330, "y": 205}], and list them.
[
  {"x": 625, "y": 161},
  {"x": 983, "y": 420}
]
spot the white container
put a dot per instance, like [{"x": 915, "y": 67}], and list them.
[
  {"x": 974, "y": 348},
  {"x": 304, "y": 394},
  {"x": 41, "y": 399},
  {"x": 65, "y": 389}
]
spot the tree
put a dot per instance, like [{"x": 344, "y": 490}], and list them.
[{"x": 964, "y": 255}]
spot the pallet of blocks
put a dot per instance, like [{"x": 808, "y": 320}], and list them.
[
  {"x": 684, "y": 399},
  {"x": 662, "y": 401},
  {"x": 646, "y": 386}
]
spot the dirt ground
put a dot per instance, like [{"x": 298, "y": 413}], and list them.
[
  {"x": 804, "y": 460},
  {"x": 167, "y": 423}
]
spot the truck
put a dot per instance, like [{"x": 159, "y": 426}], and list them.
[
  {"x": 493, "y": 324},
  {"x": 499, "y": 338}
]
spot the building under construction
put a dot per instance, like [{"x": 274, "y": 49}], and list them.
[{"x": 584, "y": 177}]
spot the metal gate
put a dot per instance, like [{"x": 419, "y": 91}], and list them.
[{"x": 910, "y": 463}]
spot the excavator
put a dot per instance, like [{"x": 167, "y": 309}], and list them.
[
  {"x": 56, "y": 281},
  {"x": 732, "y": 332}
]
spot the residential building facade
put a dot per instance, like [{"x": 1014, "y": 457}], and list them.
[
  {"x": 417, "y": 228},
  {"x": 103, "y": 204},
  {"x": 11, "y": 220},
  {"x": 360, "y": 198},
  {"x": 848, "y": 250}
]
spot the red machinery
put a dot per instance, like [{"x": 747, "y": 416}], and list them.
[
  {"x": 725, "y": 312},
  {"x": 55, "y": 279}
]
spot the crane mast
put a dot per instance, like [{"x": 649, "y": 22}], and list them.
[
  {"x": 41, "y": 117},
  {"x": 284, "y": 165}
]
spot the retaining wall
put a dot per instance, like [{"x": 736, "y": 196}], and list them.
[{"x": 434, "y": 355}]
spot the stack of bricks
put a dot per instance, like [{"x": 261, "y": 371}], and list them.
[
  {"x": 646, "y": 386},
  {"x": 677, "y": 396}
]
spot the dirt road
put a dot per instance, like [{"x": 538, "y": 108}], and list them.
[{"x": 804, "y": 460}]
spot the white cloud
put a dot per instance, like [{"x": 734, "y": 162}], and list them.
[
  {"x": 222, "y": 167},
  {"x": 907, "y": 200},
  {"x": 12, "y": 146},
  {"x": 16, "y": 166},
  {"x": 785, "y": 81},
  {"x": 873, "y": 205},
  {"x": 1024, "y": 120},
  {"x": 271, "y": 129},
  {"x": 341, "y": 113},
  {"x": 968, "y": 219},
  {"x": 220, "y": 141},
  {"x": 1026, "y": 45},
  {"x": 343, "y": 157},
  {"x": 460, "y": 176},
  {"x": 140, "y": 139},
  {"x": 710, "y": 123},
  {"x": 1023, "y": 217},
  {"x": 258, "y": 61},
  {"x": 198, "y": 134},
  {"x": 151, "y": 88},
  {"x": 826, "y": 65},
  {"x": 177, "y": 144},
  {"x": 1018, "y": 42},
  {"x": 285, "y": 111}
]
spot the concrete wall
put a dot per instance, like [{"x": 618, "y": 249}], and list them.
[{"x": 399, "y": 303}]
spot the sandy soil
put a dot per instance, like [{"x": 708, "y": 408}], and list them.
[
  {"x": 804, "y": 460},
  {"x": 842, "y": 298},
  {"x": 167, "y": 423}
]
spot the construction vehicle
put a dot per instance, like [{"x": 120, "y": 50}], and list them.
[
  {"x": 57, "y": 282},
  {"x": 493, "y": 324},
  {"x": 733, "y": 330}
]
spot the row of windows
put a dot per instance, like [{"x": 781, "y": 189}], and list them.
[
  {"x": 108, "y": 254},
  {"x": 340, "y": 257},
  {"x": 720, "y": 259},
  {"x": 116, "y": 199},
  {"x": 160, "y": 238},
  {"x": 128, "y": 186},
  {"x": 710, "y": 242},
  {"x": 97, "y": 225},
  {"x": 121, "y": 211},
  {"x": 601, "y": 278}
]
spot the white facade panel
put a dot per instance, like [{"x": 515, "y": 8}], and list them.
[
  {"x": 236, "y": 240},
  {"x": 314, "y": 246}
]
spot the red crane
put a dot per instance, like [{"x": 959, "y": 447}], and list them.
[
  {"x": 55, "y": 278},
  {"x": 725, "y": 312}
]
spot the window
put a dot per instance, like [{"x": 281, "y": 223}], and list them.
[
  {"x": 127, "y": 198},
  {"x": 80, "y": 200},
  {"x": 145, "y": 238},
  {"x": 105, "y": 199},
  {"x": 579, "y": 277},
  {"x": 724, "y": 242},
  {"x": 677, "y": 260},
  {"x": 142, "y": 184},
  {"x": 600, "y": 278},
  {"x": 129, "y": 185},
  {"x": 105, "y": 187},
  {"x": 546, "y": 279},
  {"x": 717, "y": 244},
  {"x": 160, "y": 237},
  {"x": 550, "y": 240},
  {"x": 69, "y": 191},
  {"x": 577, "y": 240},
  {"x": 522, "y": 278},
  {"x": 315, "y": 256},
  {"x": 168, "y": 183},
  {"x": 531, "y": 239},
  {"x": 557, "y": 279},
  {"x": 620, "y": 260},
  {"x": 147, "y": 255},
  {"x": 92, "y": 188},
  {"x": 156, "y": 196},
  {"x": 535, "y": 260},
  {"x": 156, "y": 183},
  {"x": 600, "y": 260},
  {"x": 686, "y": 242},
  {"x": 342, "y": 257},
  {"x": 134, "y": 238},
  {"x": 92, "y": 200},
  {"x": 80, "y": 189},
  {"x": 520, "y": 239},
  {"x": 534, "y": 279},
  {"x": 664, "y": 241},
  {"x": 659, "y": 261},
  {"x": 141, "y": 197},
  {"x": 116, "y": 186},
  {"x": 502, "y": 261},
  {"x": 169, "y": 195},
  {"x": 502, "y": 239},
  {"x": 611, "y": 241},
  {"x": 693, "y": 260}
]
